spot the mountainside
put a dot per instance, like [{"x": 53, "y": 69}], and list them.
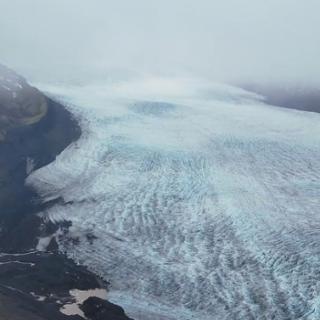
[
  {"x": 36, "y": 281},
  {"x": 34, "y": 131}
]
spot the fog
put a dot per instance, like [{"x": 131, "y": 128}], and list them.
[{"x": 229, "y": 40}]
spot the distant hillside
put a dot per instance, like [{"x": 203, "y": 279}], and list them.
[{"x": 300, "y": 98}]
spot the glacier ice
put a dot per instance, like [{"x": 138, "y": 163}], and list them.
[{"x": 204, "y": 200}]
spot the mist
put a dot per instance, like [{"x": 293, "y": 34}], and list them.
[{"x": 226, "y": 41}]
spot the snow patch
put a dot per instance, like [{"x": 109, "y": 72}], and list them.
[
  {"x": 38, "y": 297},
  {"x": 29, "y": 165},
  {"x": 80, "y": 296},
  {"x": 43, "y": 242},
  {"x": 18, "y": 262}
]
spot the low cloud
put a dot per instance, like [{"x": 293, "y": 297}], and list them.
[{"x": 230, "y": 40}]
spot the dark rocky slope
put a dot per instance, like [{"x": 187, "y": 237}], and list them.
[{"x": 33, "y": 131}]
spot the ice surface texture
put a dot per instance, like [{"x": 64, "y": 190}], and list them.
[{"x": 204, "y": 201}]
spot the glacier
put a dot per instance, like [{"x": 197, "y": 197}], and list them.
[{"x": 202, "y": 199}]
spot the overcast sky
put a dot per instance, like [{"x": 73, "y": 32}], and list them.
[{"x": 226, "y": 40}]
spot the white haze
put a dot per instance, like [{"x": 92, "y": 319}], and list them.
[{"x": 230, "y": 40}]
